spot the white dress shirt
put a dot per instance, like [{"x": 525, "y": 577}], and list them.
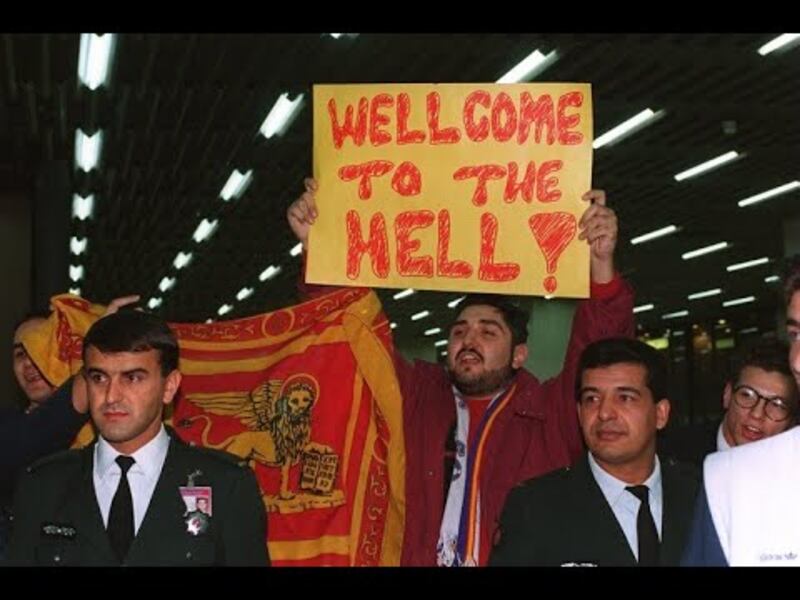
[
  {"x": 142, "y": 476},
  {"x": 625, "y": 505}
]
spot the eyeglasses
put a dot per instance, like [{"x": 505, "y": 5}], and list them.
[{"x": 775, "y": 407}]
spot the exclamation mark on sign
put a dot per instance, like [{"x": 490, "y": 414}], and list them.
[{"x": 553, "y": 232}]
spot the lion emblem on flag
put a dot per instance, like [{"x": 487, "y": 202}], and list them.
[{"x": 277, "y": 415}]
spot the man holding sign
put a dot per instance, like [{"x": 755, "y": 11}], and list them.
[{"x": 483, "y": 424}]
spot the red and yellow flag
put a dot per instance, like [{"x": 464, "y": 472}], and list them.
[{"x": 308, "y": 396}]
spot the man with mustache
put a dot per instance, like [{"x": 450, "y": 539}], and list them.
[
  {"x": 745, "y": 511},
  {"x": 620, "y": 505},
  {"x": 482, "y": 424},
  {"x": 760, "y": 400}
]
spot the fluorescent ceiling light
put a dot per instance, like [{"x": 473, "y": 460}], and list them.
[
  {"x": 281, "y": 116},
  {"x": 236, "y": 185},
  {"x": 704, "y": 250},
  {"x": 626, "y": 128},
  {"x": 738, "y": 301},
  {"x": 224, "y": 309},
  {"x": 707, "y": 166},
  {"x": 243, "y": 293},
  {"x": 646, "y": 237},
  {"x": 182, "y": 259},
  {"x": 772, "y": 279},
  {"x": 778, "y": 42},
  {"x": 94, "y": 58},
  {"x": 747, "y": 264},
  {"x": 456, "y": 302},
  {"x": 749, "y": 330},
  {"x": 205, "y": 230},
  {"x": 75, "y": 291},
  {"x": 269, "y": 273},
  {"x": 392, "y": 325},
  {"x": 82, "y": 208},
  {"x": 781, "y": 189},
  {"x": 705, "y": 294},
  {"x": 87, "y": 149},
  {"x": 420, "y": 315},
  {"x": 643, "y": 308},
  {"x": 531, "y": 66},
  {"x": 296, "y": 249},
  {"x": 676, "y": 315},
  {"x": 77, "y": 245},
  {"x": 154, "y": 302},
  {"x": 438, "y": 343},
  {"x": 403, "y": 294},
  {"x": 166, "y": 283},
  {"x": 76, "y": 272},
  {"x": 433, "y": 331}
]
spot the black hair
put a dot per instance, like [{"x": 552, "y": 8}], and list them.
[
  {"x": 515, "y": 318},
  {"x": 612, "y": 351},
  {"x": 791, "y": 280},
  {"x": 134, "y": 331}
]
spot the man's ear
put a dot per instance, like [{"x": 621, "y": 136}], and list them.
[
  {"x": 519, "y": 355},
  {"x": 663, "y": 408},
  {"x": 727, "y": 394},
  {"x": 171, "y": 387}
]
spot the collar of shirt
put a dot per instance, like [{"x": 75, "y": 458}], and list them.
[
  {"x": 463, "y": 400},
  {"x": 149, "y": 458},
  {"x": 619, "y": 498},
  {"x": 142, "y": 477},
  {"x": 722, "y": 443}
]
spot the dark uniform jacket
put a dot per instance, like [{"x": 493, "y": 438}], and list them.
[
  {"x": 57, "y": 520},
  {"x": 563, "y": 518},
  {"x": 689, "y": 443},
  {"x": 26, "y": 437}
]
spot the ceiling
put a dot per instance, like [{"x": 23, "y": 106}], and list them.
[{"x": 183, "y": 110}]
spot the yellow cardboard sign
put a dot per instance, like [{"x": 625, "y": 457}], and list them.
[{"x": 459, "y": 187}]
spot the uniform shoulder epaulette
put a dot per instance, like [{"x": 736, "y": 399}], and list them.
[
  {"x": 684, "y": 468},
  {"x": 546, "y": 478},
  {"x": 59, "y": 458},
  {"x": 221, "y": 455}
]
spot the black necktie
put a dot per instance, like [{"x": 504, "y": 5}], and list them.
[
  {"x": 120, "y": 518},
  {"x": 646, "y": 531}
]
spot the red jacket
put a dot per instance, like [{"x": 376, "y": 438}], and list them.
[{"x": 535, "y": 433}]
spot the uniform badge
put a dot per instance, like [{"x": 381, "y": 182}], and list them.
[
  {"x": 57, "y": 530},
  {"x": 199, "y": 507}
]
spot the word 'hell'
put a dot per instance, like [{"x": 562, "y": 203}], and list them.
[{"x": 552, "y": 233}]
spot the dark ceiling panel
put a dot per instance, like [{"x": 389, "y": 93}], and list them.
[{"x": 183, "y": 110}]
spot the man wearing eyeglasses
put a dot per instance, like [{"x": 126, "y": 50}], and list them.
[
  {"x": 745, "y": 514},
  {"x": 760, "y": 400}
]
